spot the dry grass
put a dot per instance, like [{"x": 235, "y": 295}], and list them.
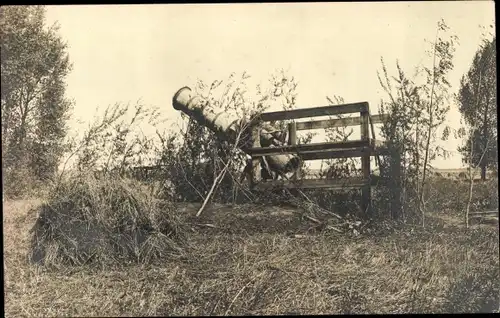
[
  {"x": 103, "y": 222},
  {"x": 262, "y": 261},
  {"x": 452, "y": 195}
]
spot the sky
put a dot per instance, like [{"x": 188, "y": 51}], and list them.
[{"x": 125, "y": 53}]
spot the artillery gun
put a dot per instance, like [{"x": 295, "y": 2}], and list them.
[{"x": 229, "y": 128}]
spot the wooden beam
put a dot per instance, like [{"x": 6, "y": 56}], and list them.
[
  {"x": 395, "y": 185},
  {"x": 313, "y": 184},
  {"x": 378, "y": 148},
  {"x": 335, "y": 184},
  {"x": 377, "y": 157},
  {"x": 294, "y": 149},
  {"x": 365, "y": 164},
  {"x": 255, "y": 162},
  {"x": 292, "y": 133},
  {"x": 381, "y": 151},
  {"x": 334, "y": 154},
  {"x": 339, "y": 122},
  {"x": 328, "y": 153},
  {"x": 314, "y": 112},
  {"x": 378, "y": 143}
]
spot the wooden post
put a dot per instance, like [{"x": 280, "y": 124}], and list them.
[
  {"x": 395, "y": 183},
  {"x": 255, "y": 162},
  {"x": 365, "y": 164},
  {"x": 292, "y": 141}
]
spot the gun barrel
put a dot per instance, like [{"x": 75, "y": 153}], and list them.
[{"x": 227, "y": 128}]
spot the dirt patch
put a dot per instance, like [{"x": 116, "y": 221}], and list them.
[{"x": 246, "y": 219}]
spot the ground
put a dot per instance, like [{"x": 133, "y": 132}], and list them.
[{"x": 263, "y": 261}]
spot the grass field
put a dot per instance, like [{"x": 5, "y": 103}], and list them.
[{"x": 252, "y": 260}]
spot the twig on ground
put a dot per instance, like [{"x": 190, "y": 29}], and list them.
[
  {"x": 329, "y": 227},
  {"x": 312, "y": 219},
  {"x": 308, "y": 206},
  {"x": 238, "y": 294},
  {"x": 206, "y": 225}
]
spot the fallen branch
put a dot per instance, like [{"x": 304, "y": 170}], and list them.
[{"x": 241, "y": 290}]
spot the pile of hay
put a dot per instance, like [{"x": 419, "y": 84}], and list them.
[{"x": 104, "y": 221}]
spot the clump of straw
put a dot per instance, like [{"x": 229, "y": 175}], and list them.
[{"x": 89, "y": 220}]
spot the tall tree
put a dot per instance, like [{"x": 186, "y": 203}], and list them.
[
  {"x": 34, "y": 66},
  {"x": 477, "y": 99}
]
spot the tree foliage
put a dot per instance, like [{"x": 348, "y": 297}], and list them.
[
  {"x": 34, "y": 66},
  {"x": 477, "y": 100},
  {"x": 417, "y": 106}
]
